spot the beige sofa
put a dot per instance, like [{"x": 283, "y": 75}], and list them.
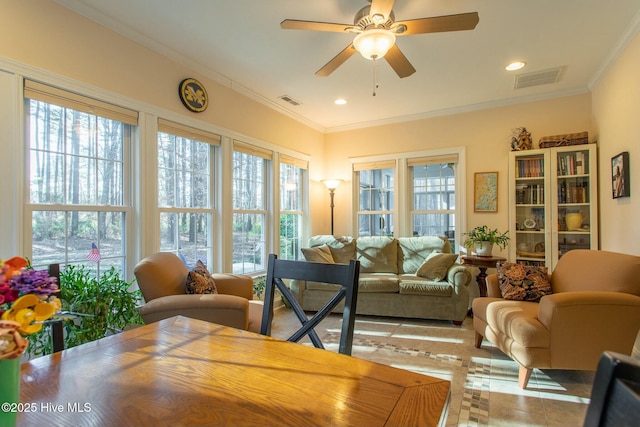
[
  {"x": 594, "y": 307},
  {"x": 388, "y": 284}
]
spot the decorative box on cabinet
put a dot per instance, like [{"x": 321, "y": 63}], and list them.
[{"x": 552, "y": 203}]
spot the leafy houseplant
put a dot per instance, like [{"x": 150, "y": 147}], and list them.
[
  {"x": 104, "y": 306},
  {"x": 483, "y": 238}
]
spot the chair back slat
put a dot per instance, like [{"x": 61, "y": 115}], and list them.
[{"x": 345, "y": 275}]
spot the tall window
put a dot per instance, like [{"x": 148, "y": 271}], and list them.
[
  {"x": 291, "y": 207},
  {"x": 250, "y": 171},
  {"x": 78, "y": 180},
  {"x": 433, "y": 185},
  {"x": 375, "y": 198},
  {"x": 185, "y": 183}
]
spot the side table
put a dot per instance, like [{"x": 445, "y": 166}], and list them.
[{"x": 482, "y": 262}]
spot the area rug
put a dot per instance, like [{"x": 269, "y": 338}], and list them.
[{"x": 484, "y": 382}]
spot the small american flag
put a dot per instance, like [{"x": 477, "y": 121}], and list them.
[{"x": 94, "y": 255}]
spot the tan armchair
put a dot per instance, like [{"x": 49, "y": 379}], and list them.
[
  {"x": 162, "y": 276},
  {"x": 594, "y": 307}
]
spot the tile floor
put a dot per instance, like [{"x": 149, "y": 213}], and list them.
[{"x": 484, "y": 389}]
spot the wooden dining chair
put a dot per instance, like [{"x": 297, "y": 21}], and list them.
[
  {"x": 57, "y": 330},
  {"x": 345, "y": 275}
]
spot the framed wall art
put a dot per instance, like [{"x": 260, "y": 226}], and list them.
[
  {"x": 620, "y": 175},
  {"x": 485, "y": 192}
]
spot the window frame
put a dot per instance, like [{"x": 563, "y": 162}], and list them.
[
  {"x": 403, "y": 222},
  {"x": 212, "y": 141},
  {"x": 302, "y": 188},
  {"x": 268, "y": 196},
  {"x": 69, "y": 101}
]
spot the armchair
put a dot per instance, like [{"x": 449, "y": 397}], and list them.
[
  {"x": 594, "y": 307},
  {"x": 161, "y": 278}
]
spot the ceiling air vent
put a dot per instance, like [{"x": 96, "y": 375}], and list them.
[
  {"x": 290, "y": 100},
  {"x": 538, "y": 78}
]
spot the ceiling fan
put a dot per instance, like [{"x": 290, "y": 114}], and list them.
[{"x": 376, "y": 30}]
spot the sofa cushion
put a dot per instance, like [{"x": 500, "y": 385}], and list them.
[
  {"x": 377, "y": 254},
  {"x": 523, "y": 282},
  {"x": 367, "y": 283},
  {"x": 378, "y": 282},
  {"x": 517, "y": 320},
  {"x": 199, "y": 281},
  {"x": 436, "y": 266},
  {"x": 343, "y": 248},
  {"x": 416, "y": 286},
  {"x": 318, "y": 254},
  {"x": 413, "y": 250},
  {"x": 343, "y": 252}
]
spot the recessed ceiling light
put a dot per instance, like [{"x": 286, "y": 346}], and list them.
[
  {"x": 517, "y": 65},
  {"x": 340, "y": 101}
]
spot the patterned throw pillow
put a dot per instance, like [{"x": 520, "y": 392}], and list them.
[
  {"x": 199, "y": 281},
  {"x": 523, "y": 282}
]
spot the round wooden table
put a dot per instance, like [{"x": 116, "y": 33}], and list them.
[{"x": 482, "y": 262}]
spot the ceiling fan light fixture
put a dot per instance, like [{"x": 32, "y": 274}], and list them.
[{"x": 374, "y": 43}]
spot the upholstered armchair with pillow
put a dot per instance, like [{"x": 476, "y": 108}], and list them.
[
  {"x": 588, "y": 305},
  {"x": 170, "y": 289}
]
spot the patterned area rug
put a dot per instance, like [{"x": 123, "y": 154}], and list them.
[{"x": 484, "y": 382}]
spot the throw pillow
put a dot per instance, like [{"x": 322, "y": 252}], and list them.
[
  {"x": 199, "y": 281},
  {"x": 343, "y": 252},
  {"x": 318, "y": 254},
  {"x": 436, "y": 266},
  {"x": 523, "y": 282}
]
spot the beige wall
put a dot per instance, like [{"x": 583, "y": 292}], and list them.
[
  {"x": 486, "y": 135},
  {"x": 616, "y": 119}
]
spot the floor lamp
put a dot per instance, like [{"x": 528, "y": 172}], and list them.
[{"x": 332, "y": 184}]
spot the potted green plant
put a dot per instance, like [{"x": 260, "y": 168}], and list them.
[
  {"x": 482, "y": 239},
  {"x": 102, "y": 306}
]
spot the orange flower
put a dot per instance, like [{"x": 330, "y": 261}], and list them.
[{"x": 15, "y": 264}]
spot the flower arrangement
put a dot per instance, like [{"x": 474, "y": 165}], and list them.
[{"x": 26, "y": 300}]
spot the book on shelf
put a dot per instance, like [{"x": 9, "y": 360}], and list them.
[
  {"x": 532, "y": 194},
  {"x": 572, "y": 163},
  {"x": 530, "y": 168},
  {"x": 569, "y": 192}
]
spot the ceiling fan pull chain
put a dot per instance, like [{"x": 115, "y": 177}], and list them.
[{"x": 375, "y": 76}]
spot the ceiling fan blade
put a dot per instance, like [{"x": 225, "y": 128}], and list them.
[
  {"x": 437, "y": 24},
  {"x": 399, "y": 62},
  {"x": 381, "y": 7},
  {"x": 292, "y": 24},
  {"x": 337, "y": 61}
]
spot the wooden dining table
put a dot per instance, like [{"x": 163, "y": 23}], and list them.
[{"x": 186, "y": 372}]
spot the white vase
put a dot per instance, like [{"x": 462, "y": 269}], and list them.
[{"x": 484, "y": 248}]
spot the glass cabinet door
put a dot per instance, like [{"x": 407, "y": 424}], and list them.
[
  {"x": 573, "y": 217},
  {"x": 531, "y": 193}
]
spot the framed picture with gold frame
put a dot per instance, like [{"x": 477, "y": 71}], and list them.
[{"x": 485, "y": 192}]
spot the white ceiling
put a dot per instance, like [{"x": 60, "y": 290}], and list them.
[{"x": 240, "y": 43}]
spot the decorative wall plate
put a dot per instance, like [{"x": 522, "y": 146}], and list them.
[
  {"x": 193, "y": 95},
  {"x": 529, "y": 223}
]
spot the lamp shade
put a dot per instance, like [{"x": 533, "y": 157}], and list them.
[
  {"x": 374, "y": 43},
  {"x": 332, "y": 184}
]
